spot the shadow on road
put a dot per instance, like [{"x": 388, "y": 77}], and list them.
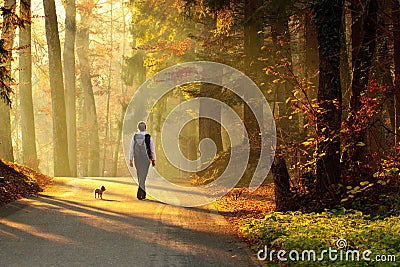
[{"x": 53, "y": 230}]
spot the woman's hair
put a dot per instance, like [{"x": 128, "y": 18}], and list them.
[{"x": 141, "y": 126}]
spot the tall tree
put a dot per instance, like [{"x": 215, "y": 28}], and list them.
[
  {"x": 364, "y": 28},
  {"x": 61, "y": 160},
  {"x": 328, "y": 19},
  {"x": 6, "y": 43},
  {"x": 252, "y": 51},
  {"x": 108, "y": 124},
  {"x": 209, "y": 128},
  {"x": 345, "y": 61},
  {"x": 396, "y": 55},
  {"x": 91, "y": 126},
  {"x": 311, "y": 39},
  {"x": 279, "y": 20},
  {"x": 70, "y": 82},
  {"x": 383, "y": 65},
  {"x": 25, "y": 88},
  {"x": 123, "y": 102}
]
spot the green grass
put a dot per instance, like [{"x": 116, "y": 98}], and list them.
[{"x": 318, "y": 231}]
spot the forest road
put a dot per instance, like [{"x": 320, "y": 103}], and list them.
[{"x": 67, "y": 226}]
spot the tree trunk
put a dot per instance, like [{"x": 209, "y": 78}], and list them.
[
  {"x": 396, "y": 56},
  {"x": 7, "y": 39},
  {"x": 123, "y": 104},
  {"x": 363, "y": 43},
  {"x": 328, "y": 19},
  {"x": 282, "y": 184},
  {"x": 61, "y": 161},
  {"x": 252, "y": 68},
  {"x": 70, "y": 82},
  {"x": 209, "y": 128},
  {"x": 25, "y": 89},
  {"x": 6, "y": 149},
  {"x": 312, "y": 58},
  {"x": 287, "y": 129},
  {"x": 345, "y": 68},
  {"x": 364, "y": 16},
  {"x": 107, "y": 134},
  {"x": 91, "y": 127},
  {"x": 82, "y": 135},
  {"x": 383, "y": 65}
]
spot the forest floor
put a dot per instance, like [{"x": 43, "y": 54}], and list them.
[
  {"x": 242, "y": 204},
  {"x": 17, "y": 181}
]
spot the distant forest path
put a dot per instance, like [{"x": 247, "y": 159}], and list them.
[{"x": 66, "y": 226}]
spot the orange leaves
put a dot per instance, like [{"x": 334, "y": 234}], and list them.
[
  {"x": 236, "y": 207},
  {"x": 19, "y": 181},
  {"x": 224, "y": 22},
  {"x": 169, "y": 48},
  {"x": 86, "y": 7},
  {"x": 309, "y": 142}
]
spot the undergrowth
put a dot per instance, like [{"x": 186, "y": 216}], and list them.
[{"x": 320, "y": 231}]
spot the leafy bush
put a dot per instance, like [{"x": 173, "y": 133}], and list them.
[{"x": 320, "y": 231}]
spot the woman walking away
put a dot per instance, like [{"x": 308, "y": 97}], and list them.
[{"x": 142, "y": 153}]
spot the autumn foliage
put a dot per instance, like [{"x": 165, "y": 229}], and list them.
[{"x": 17, "y": 181}]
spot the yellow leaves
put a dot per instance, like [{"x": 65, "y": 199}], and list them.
[
  {"x": 352, "y": 191},
  {"x": 270, "y": 70},
  {"x": 306, "y": 143},
  {"x": 310, "y": 141},
  {"x": 382, "y": 182},
  {"x": 347, "y": 198},
  {"x": 361, "y": 144},
  {"x": 277, "y": 80},
  {"x": 224, "y": 22}
]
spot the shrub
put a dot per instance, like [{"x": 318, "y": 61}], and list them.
[{"x": 319, "y": 231}]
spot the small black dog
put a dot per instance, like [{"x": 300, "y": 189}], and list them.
[{"x": 99, "y": 192}]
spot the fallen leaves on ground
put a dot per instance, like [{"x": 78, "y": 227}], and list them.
[
  {"x": 17, "y": 181},
  {"x": 240, "y": 204}
]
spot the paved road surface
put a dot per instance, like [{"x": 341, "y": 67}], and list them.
[{"x": 66, "y": 226}]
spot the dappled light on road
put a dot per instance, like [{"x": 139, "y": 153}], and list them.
[
  {"x": 34, "y": 231},
  {"x": 69, "y": 223}
]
